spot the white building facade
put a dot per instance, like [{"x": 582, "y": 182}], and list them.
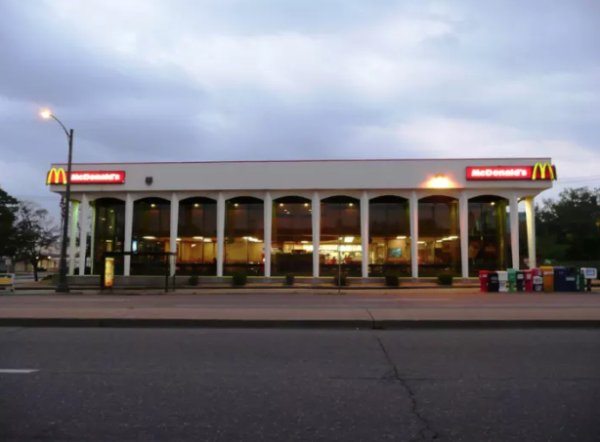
[{"x": 310, "y": 218}]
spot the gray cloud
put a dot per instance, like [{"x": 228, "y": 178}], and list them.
[{"x": 157, "y": 80}]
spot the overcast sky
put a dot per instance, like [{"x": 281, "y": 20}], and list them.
[{"x": 143, "y": 80}]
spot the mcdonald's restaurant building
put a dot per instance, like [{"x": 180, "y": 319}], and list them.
[{"x": 308, "y": 218}]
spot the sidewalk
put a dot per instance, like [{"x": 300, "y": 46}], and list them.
[{"x": 247, "y": 307}]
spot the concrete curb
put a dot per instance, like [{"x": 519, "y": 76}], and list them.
[{"x": 296, "y": 324}]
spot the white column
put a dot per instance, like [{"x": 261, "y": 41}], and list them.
[
  {"x": 364, "y": 232},
  {"x": 414, "y": 234},
  {"x": 463, "y": 218},
  {"x": 316, "y": 231},
  {"x": 220, "y": 233},
  {"x": 128, "y": 233},
  {"x": 268, "y": 213},
  {"x": 174, "y": 224},
  {"x": 93, "y": 240},
  {"x": 73, "y": 235},
  {"x": 83, "y": 231},
  {"x": 514, "y": 230},
  {"x": 530, "y": 220}
]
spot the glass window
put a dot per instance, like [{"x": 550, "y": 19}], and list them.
[
  {"x": 109, "y": 231},
  {"x": 340, "y": 236},
  {"x": 150, "y": 236},
  {"x": 489, "y": 234},
  {"x": 439, "y": 241},
  {"x": 244, "y": 240},
  {"x": 389, "y": 235},
  {"x": 197, "y": 237},
  {"x": 292, "y": 236}
]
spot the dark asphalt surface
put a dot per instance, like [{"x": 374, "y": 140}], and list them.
[{"x": 299, "y": 385}]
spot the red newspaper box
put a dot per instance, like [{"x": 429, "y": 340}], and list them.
[
  {"x": 483, "y": 280},
  {"x": 528, "y": 274}
]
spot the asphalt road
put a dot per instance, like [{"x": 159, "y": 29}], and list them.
[{"x": 299, "y": 385}]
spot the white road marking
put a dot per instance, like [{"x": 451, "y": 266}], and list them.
[{"x": 17, "y": 370}]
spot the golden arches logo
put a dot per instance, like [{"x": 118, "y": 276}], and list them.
[
  {"x": 541, "y": 170},
  {"x": 56, "y": 175}
]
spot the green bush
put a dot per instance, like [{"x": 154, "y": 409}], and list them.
[
  {"x": 392, "y": 280},
  {"x": 340, "y": 280},
  {"x": 193, "y": 280},
  {"x": 239, "y": 279},
  {"x": 289, "y": 279},
  {"x": 445, "y": 279}
]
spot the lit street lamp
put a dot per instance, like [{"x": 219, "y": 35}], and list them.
[{"x": 63, "y": 284}]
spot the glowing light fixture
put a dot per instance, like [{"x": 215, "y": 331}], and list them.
[
  {"x": 439, "y": 181},
  {"x": 198, "y": 237},
  {"x": 196, "y": 205},
  {"x": 149, "y": 237},
  {"x": 348, "y": 239},
  {"x": 401, "y": 237},
  {"x": 46, "y": 114}
]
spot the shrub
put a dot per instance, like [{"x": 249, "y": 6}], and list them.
[
  {"x": 239, "y": 279},
  {"x": 193, "y": 280},
  {"x": 392, "y": 280},
  {"x": 289, "y": 279},
  {"x": 340, "y": 280},
  {"x": 445, "y": 279}
]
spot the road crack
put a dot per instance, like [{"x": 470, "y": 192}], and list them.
[{"x": 426, "y": 432}]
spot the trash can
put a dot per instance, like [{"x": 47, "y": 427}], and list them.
[
  {"x": 520, "y": 285},
  {"x": 502, "y": 280},
  {"x": 512, "y": 280},
  {"x": 483, "y": 280},
  {"x": 493, "y": 284},
  {"x": 547, "y": 273},
  {"x": 538, "y": 283},
  {"x": 528, "y": 283}
]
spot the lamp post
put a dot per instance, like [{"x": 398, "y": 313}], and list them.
[{"x": 63, "y": 284}]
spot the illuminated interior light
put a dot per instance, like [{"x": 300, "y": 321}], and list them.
[
  {"x": 196, "y": 205},
  {"x": 207, "y": 240},
  {"x": 421, "y": 242},
  {"x": 198, "y": 237},
  {"x": 149, "y": 237},
  {"x": 236, "y": 205},
  {"x": 178, "y": 239},
  {"x": 348, "y": 239},
  {"x": 193, "y": 245},
  {"x": 153, "y": 205},
  {"x": 306, "y": 204},
  {"x": 401, "y": 237},
  {"x": 281, "y": 204},
  {"x": 350, "y": 204},
  {"x": 492, "y": 203}
]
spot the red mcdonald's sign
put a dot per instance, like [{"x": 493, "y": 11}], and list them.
[
  {"x": 539, "y": 171},
  {"x": 58, "y": 176}
]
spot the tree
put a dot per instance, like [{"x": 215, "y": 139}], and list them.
[
  {"x": 569, "y": 228},
  {"x": 8, "y": 209},
  {"x": 34, "y": 234}
]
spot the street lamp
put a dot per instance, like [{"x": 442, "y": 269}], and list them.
[{"x": 63, "y": 284}]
